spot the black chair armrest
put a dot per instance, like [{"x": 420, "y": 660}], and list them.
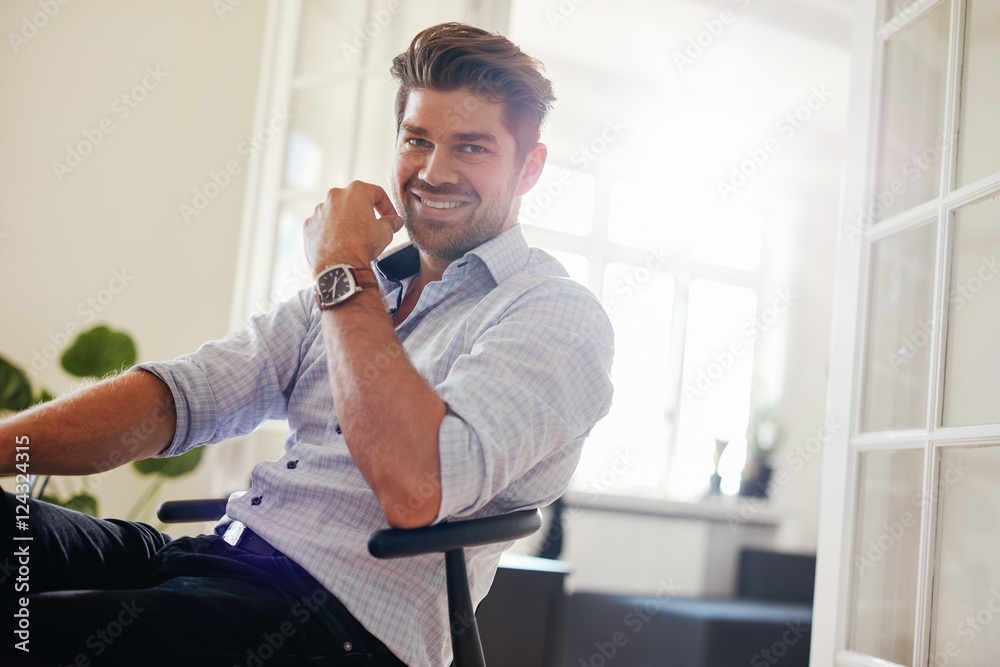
[
  {"x": 400, "y": 542},
  {"x": 180, "y": 511}
]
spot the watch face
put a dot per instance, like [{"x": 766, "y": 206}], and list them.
[{"x": 335, "y": 284}]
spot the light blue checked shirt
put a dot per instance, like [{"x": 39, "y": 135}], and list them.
[{"x": 520, "y": 354}]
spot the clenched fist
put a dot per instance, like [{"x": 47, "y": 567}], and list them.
[{"x": 352, "y": 226}]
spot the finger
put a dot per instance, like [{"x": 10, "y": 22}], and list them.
[
  {"x": 382, "y": 203},
  {"x": 394, "y": 220}
]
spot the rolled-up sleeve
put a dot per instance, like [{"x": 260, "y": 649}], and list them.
[
  {"x": 230, "y": 386},
  {"x": 525, "y": 397}
]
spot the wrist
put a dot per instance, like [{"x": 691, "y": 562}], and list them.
[{"x": 335, "y": 257}]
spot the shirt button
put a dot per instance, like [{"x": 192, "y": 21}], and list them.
[
  {"x": 291, "y": 464},
  {"x": 256, "y": 500},
  {"x": 339, "y": 432}
]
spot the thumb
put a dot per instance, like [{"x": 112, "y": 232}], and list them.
[{"x": 394, "y": 220}]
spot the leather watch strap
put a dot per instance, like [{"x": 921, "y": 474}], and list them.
[{"x": 365, "y": 278}]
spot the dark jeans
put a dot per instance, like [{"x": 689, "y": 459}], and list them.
[{"x": 111, "y": 592}]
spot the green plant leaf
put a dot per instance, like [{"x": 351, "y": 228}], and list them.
[
  {"x": 174, "y": 466},
  {"x": 81, "y": 502},
  {"x": 15, "y": 390},
  {"x": 99, "y": 352}
]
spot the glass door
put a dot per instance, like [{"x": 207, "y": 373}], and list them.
[{"x": 908, "y": 569}]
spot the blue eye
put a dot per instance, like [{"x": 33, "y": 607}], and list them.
[
  {"x": 472, "y": 148},
  {"x": 420, "y": 143}
]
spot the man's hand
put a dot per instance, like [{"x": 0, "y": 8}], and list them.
[{"x": 345, "y": 229}]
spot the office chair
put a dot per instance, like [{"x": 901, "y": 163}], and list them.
[{"x": 449, "y": 538}]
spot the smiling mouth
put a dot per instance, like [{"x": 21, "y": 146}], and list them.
[{"x": 440, "y": 205}]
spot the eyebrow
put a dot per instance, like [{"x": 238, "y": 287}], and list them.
[{"x": 464, "y": 137}]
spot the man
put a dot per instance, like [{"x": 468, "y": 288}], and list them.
[{"x": 458, "y": 378}]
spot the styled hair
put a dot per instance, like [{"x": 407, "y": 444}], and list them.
[{"x": 453, "y": 56}]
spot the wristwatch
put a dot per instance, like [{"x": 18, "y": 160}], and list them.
[{"x": 338, "y": 283}]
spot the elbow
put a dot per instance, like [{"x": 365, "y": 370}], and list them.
[{"x": 414, "y": 509}]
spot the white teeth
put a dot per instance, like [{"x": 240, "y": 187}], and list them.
[{"x": 442, "y": 204}]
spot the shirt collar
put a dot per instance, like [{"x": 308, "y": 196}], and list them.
[{"x": 502, "y": 256}]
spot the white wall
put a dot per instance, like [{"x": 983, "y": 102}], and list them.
[{"x": 61, "y": 241}]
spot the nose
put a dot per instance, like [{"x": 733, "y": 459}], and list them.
[{"x": 439, "y": 168}]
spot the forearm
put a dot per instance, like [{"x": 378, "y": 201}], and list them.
[
  {"x": 391, "y": 420},
  {"x": 115, "y": 421}
]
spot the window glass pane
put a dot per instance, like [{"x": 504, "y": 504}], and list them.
[
  {"x": 374, "y": 134},
  {"x": 729, "y": 240},
  {"x": 562, "y": 200},
  {"x": 291, "y": 271},
  {"x": 576, "y": 265},
  {"x": 965, "y": 625},
  {"x": 718, "y": 367},
  {"x": 345, "y": 34},
  {"x": 979, "y": 132},
  {"x": 319, "y": 145},
  {"x": 632, "y": 222},
  {"x": 392, "y": 30},
  {"x": 897, "y": 11},
  {"x": 972, "y": 362},
  {"x": 911, "y": 137},
  {"x": 900, "y": 326},
  {"x": 627, "y": 450},
  {"x": 327, "y": 30},
  {"x": 885, "y": 554}
]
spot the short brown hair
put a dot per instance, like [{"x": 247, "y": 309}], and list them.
[{"x": 451, "y": 56}]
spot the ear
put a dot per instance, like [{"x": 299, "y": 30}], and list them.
[{"x": 531, "y": 171}]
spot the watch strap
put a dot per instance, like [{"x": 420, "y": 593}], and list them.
[{"x": 365, "y": 278}]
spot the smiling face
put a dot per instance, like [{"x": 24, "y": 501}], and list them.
[{"x": 456, "y": 180}]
